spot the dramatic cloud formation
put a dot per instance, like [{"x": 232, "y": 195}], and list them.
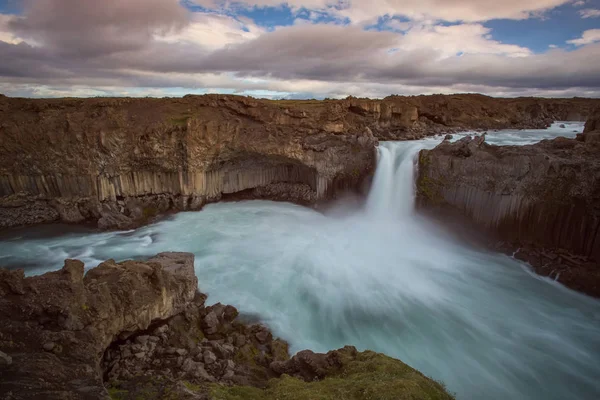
[
  {"x": 590, "y": 36},
  {"x": 589, "y": 13},
  {"x": 447, "y": 10},
  {"x": 300, "y": 48}
]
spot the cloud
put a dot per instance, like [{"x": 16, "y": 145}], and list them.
[
  {"x": 212, "y": 31},
  {"x": 579, "y": 3},
  {"x": 158, "y": 47},
  {"x": 92, "y": 28},
  {"x": 454, "y": 39},
  {"x": 5, "y": 34},
  {"x": 589, "y": 36},
  {"x": 589, "y": 13},
  {"x": 363, "y": 11}
]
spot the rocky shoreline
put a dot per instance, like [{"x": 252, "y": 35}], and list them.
[
  {"x": 118, "y": 163},
  {"x": 539, "y": 202},
  {"x": 141, "y": 329}
]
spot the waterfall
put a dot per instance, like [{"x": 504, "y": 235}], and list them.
[{"x": 393, "y": 190}]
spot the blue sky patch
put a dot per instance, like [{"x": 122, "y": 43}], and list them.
[{"x": 555, "y": 28}]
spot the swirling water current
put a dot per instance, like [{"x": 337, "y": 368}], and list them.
[{"x": 378, "y": 277}]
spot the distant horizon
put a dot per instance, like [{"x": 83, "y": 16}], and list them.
[
  {"x": 298, "y": 99},
  {"x": 299, "y": 49}
]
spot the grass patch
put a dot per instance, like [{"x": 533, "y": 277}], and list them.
[
  {"x": 297, "y": 103},
  {"x": 179, "y": 118},
  {"x": 180, "y": 121},
  {"x": 192, "y": 387},
  {"x": 117, "y": 394},
  {"x": 370, "y": 376}
]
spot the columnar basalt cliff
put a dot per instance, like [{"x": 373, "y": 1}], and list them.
[
  {"x": 541, "y": 200},
  {"x": 138, "y": 329},
  {"x": 118, "y": 162}
]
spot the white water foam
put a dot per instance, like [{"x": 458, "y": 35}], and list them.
[{"x": 380, "y": 278}]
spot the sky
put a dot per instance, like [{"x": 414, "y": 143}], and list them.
[{"x": 299, "y": 48}]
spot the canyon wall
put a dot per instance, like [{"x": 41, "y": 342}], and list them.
[
  {"x": 119, "y": 162},
  {"x": 542, "y": 200}
]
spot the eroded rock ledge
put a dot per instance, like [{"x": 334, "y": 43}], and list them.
[
  {"x": 137, "y": 329},
  {"x": 119, "y": 162},
  {"x": 542, "y": 200}
]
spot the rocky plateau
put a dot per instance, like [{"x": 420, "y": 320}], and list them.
[{"x": 119, "y": 162}]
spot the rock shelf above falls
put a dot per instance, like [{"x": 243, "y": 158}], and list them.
[{"x": 118, "y": 162}]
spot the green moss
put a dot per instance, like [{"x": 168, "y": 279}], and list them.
[
  {"x": 218, "y": 392},
  {"x": 428, "y": 189},
  {"x": 179, "y": 118},
  {"x": 117, "y": 394},
  {"x": 149, "y": 212},
  {"x": 192, "y": 387},
  {"x": 85, "y": 307},
  {"x": 296, "y": 103},
  {"x": 199, "y": 336},
  {"x": 280, "y": 350},
  {"x": 246, "y": 355},
  {"x": 424, "y": 160},
  {"x": 370, "y": 376}
]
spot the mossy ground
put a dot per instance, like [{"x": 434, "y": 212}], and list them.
[
  {"x": 371, "y": 376},
  {"x": 297, "y": 103}
]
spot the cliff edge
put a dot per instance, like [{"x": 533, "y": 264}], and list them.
[
  {"x": 140, "y": 329},
  {"x": 541, "y": 200},
  {"x": 118, "y": 162}
]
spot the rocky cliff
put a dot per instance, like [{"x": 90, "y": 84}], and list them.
[
  {"x": 541, "y": 200},
  {"x": 139, "y": 329},
  {"x": 119, "y": 162}
]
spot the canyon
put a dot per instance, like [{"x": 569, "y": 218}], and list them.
[
  {"x": 141, "y": 329},
  {"x": 118, "y": 163}
]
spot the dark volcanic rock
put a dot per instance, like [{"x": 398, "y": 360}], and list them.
[
  {"x": 542, "y": 198},
  {"x": 56, "y": 326},
  {"x": 141, "y": 330},
  {"x": 121, "y": 162}
]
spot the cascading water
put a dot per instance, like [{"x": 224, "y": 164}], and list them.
[
  {"x": 381, "y": 278},
  {"x": 392, "y": 191}
]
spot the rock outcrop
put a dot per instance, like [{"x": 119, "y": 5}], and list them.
[
  {"x": 56, "y": 327},
  {"x": 138, "y": 329},
  {"x": 541, "y": 200},
  {"x": 120, "y": 162}
]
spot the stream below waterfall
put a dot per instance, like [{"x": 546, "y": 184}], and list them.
[{"x": 378, "y": 277}]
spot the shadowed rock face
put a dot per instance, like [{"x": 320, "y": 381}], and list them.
[
  {"x": 142, "y": 330},
  {"x": 55, "y": 327},
  {"x": 119, "y": 162},
  {"x": 122, "y": 161},
  {"x": 542, "y": 199}
]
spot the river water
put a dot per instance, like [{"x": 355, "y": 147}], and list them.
[{"x": 377, "y": 277}]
